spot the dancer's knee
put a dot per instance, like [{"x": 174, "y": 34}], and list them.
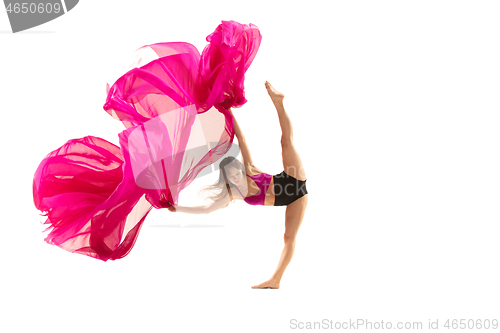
[
  {"x": 286, "y": 141},
  {"x": 289, "y": 239}
]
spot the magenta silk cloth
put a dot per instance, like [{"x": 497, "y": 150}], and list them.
[{"x": 174, "y": 106}]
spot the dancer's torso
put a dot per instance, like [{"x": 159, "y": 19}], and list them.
[{"x": 254, "y": 189}]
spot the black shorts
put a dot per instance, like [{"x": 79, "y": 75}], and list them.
[{"x": 287, "y": 189}]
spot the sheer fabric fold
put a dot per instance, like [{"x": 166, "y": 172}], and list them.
[{"x": 174, "y": 105}]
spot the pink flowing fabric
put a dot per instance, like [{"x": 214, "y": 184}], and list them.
[{"x": 174, "y": 104}]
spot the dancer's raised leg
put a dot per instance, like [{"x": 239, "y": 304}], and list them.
[{"x": 292, "y": 164}]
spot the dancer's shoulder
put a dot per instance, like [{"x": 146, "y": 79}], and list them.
[{"x": 252, "y": 170}]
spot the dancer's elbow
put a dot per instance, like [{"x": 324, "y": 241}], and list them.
[
  {"x": 216, "y": 205},
  {"x": 193, "y": 210},
  {"x": 205, "y": 209},
  {"x": 210, "y": 209}
]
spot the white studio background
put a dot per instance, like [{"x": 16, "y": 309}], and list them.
[{"x": 395, "y": 108}]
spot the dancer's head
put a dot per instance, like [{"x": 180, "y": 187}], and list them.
[
  {"x": 231, "y": 174},
  {"x": 231, "y": 171}
]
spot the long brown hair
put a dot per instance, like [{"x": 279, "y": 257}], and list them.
[{"x": 222, "y": 185}]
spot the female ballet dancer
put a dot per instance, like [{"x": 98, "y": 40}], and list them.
[{"x": 285, "y": 189}]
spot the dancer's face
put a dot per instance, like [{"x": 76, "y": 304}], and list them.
[{"x": 234, "y": 175}]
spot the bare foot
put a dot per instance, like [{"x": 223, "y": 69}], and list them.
[
  {"x": 276, "y": 96},
  {"x": 269, "y": 284}
]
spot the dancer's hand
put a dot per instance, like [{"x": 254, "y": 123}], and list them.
[{"x": 172, "y": 209}]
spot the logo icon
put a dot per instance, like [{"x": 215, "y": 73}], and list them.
[{"x": 26, "y": 14}]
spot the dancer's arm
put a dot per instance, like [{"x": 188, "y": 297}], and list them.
[
  {"x": 206, "y": 209},
  {"x": 245, "y": 151}
]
